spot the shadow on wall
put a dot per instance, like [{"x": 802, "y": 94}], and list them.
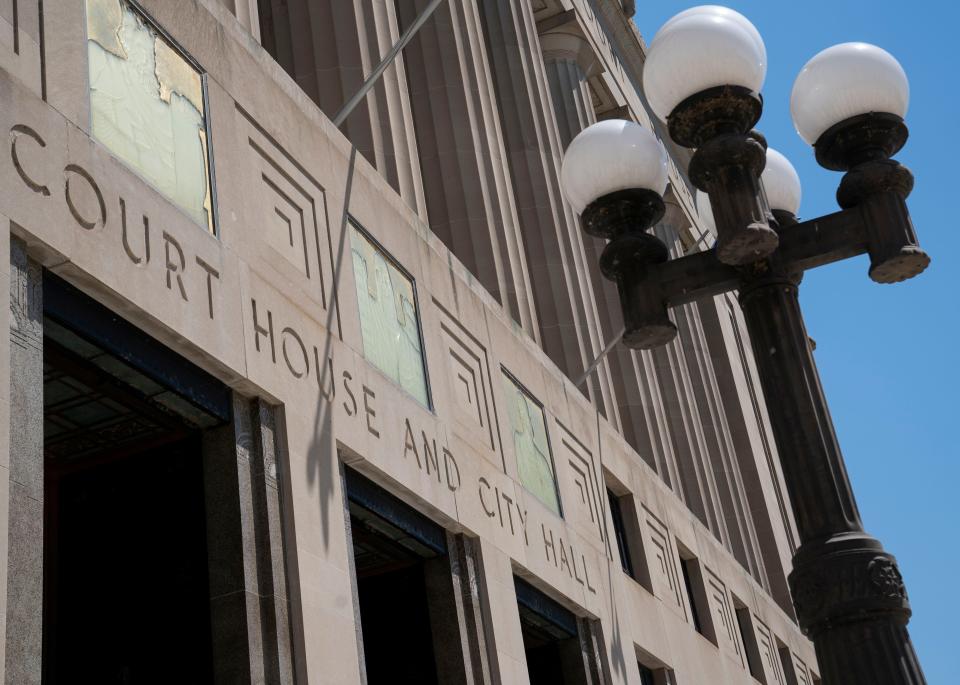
[{"x": 321, "y": 467}]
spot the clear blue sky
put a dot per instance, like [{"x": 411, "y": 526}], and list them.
[{"x": 887, "y": 354}]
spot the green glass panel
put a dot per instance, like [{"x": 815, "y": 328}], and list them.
[
  {"x": 146, "y": 105},
  {"x": 529, "y": 427},
  {"x": 388, "y": 317}
]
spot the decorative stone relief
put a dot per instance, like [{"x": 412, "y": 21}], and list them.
[
  {"x": 469, "y": 372},
  {"x": 663, "y": 563},
  {"x": 725, "y": 622},
  {"x": 768, "y": 653},
  {"x": 293, "y": 214},
  {"x": 584, "y": 475}
]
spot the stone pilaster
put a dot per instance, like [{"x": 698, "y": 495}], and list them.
[
  {"x": 467, "y": 184},
  {"x": 24, "y": 514},
  {"x": 563, "y": 292},
  {"x": 249, "y": 605},
  {"x": 329, "y": 47}
]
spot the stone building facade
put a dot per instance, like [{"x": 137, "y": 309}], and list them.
[{"x": 289, "y": 403}]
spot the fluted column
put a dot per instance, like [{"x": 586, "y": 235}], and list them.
[
  {"x": 569, "y": 62},
  {"x": 329, "y": 47},
  {"x": 562, "y": 290},
  {"x": 466, "y": 180}
]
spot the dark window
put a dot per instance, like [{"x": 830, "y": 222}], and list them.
[
  {"x": 691, "y": 598},
  {"x": 616, "y": 514},
  {"x": 786, "y": 660},
  {"x": 646, "y": 676},
  {"x": 745, "y": 623}
]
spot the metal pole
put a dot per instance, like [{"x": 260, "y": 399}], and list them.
[
  {"x": 596, "y": 362},
  {"x": 384, "y": 63},
  {"x": 848, "y": 593}
]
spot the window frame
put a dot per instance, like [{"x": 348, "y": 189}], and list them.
[
  {"x": 353, "y": 222},
  {"x": 214, "y": 228},
  {"x": 546, "y": 430}
]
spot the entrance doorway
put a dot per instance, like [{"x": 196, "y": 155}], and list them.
[
  {"x": 125, "y": 572},
  {"x": 126, "y": 580},
  {"x": 551, "y": 640},
  {"x": 413, "y": 624}
]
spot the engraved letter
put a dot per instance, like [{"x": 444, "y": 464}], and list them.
[
  {"x": 259, "y": 330},
  {"x": 353, "y": 400},
  {"x": 15, "y": 133},
  {"x": 409, "y": 444},
  {"x": 126, "y": 242},
  {"x": 172, "y": 267},
  {"x": 368, "y": 393},
  {"x": 453, "y": 479},
  {"x": 69, "y": 172},
  {"x": 287, "y": 331},
  {"x": 485, "y": 486},
  {"x": 548, "y": 547},
  {"x": 211, "y": 274}
]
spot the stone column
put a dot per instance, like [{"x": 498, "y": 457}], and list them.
[
  {"x": 562, "y": 289},
  {"x": 24, "y": 515},
  {"x": 570, "y": 61},
  {"x": 329, "y": 47},
  {"x": 249, "y": 605},
  {"x": 467, "y": 183}
]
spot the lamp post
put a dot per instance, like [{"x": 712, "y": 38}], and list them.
[{"x": 703, "y": 73}]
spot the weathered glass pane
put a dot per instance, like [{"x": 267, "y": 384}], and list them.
[
  {"x": 529, "y": 427},
  {"x": 146, "y": 105},
  {"x": 388, "y": 317}
]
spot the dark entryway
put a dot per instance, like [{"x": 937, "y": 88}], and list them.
[
  {"x": 550, "y": 639},
  {"x": 126, "y": 578},
  {"x": 126, "y": 569},
  {"x": 412, "y": 625}
]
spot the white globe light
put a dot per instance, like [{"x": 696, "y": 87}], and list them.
[
  {"x": 700, "y": 48},
  {"x": 844, "y": 81},
  {"x": 781, "y": 182},
  {"x": 609, "y": 156}
]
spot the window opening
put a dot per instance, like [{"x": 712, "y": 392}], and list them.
[
  {"x": 616, "y": 515},
  {"x": 531, "y": 444},
  {"x": 749, "y": 639},
  {"x": 389, "y": 317},
  {"x": 148, "y": 105}
]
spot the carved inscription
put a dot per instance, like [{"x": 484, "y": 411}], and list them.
[
  {"x": 565, "y": 557},
  {"x": 502, "y": 507},
  {"x": 186, "y": 276}
]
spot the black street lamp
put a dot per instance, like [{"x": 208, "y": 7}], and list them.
[{"x": 702, "y": 76}]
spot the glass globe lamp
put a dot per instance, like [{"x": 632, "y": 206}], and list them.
[
  {"x": 611, "y": 156},
  {"x": 849, "y": 102},
  {"x": 782, "y": 186},
  {"x": 705, "y": 58},
  {"x": 614, "y": 175}
]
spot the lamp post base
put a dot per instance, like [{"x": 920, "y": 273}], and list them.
[{"x": 851, "y": 601}]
